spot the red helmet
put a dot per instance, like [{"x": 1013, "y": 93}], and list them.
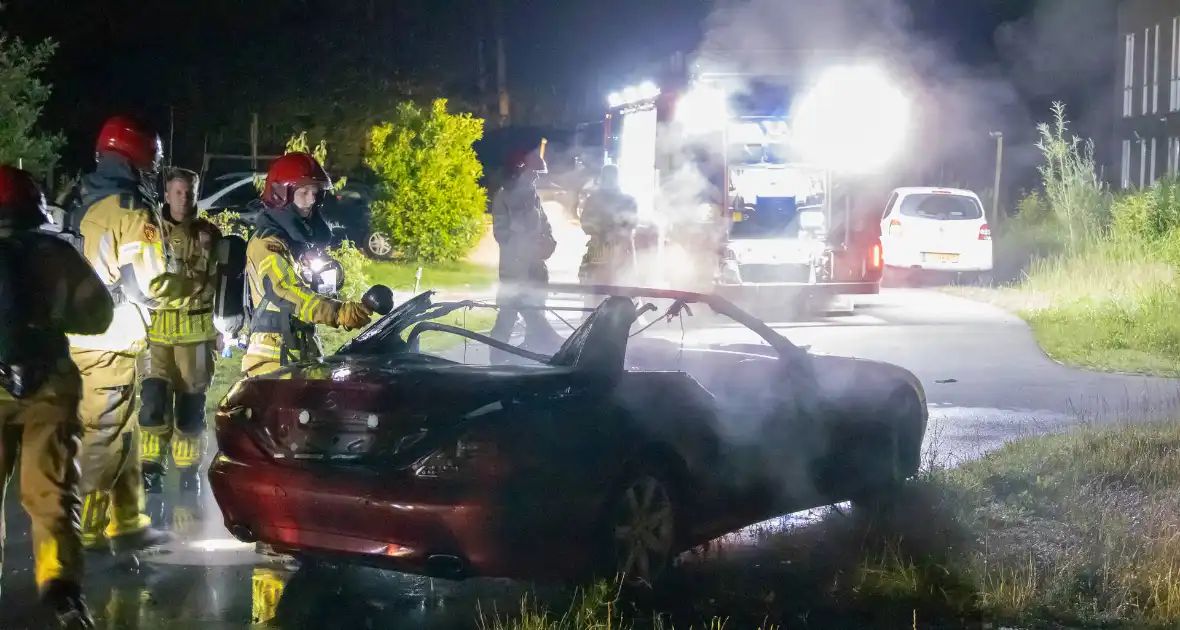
[
  {"x": 289, "y": 173},
  {"x": 22, "y": 205},
  {"x": 131, "y": 140}
]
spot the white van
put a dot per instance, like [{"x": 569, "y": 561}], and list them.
[{"x": 936, "y": 229}]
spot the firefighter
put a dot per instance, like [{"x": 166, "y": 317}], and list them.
[
  {"x": 121, "y": 240},
  {"x": 609, "y": 219},
  {"x": 285, "y": 309},
  {"x": 522, "y": 231},
  {"x": 177, "y": 369},
  {"x": 49, "y": 291}
]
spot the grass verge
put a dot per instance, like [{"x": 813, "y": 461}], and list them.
[
  {"x": 1110, "y": 306},
  {"x": 1079, "y": 529},
  {"x": 456, "y": 275}
]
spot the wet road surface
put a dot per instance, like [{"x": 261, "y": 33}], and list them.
[{"x": 986, "y": 381}]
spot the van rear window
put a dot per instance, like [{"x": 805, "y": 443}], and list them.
[{"x": 941, "y": 207}]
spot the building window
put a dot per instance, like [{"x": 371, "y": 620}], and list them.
[
  {"x": 1126, "y": 169},
  {"x": 1129, "y": 73},
  {"x": 1146, "y": 67},
  {"x": 1142, "y": 163},
  {"x": 1155, "y": 72}
]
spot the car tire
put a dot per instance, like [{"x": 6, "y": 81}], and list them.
[
  {"x": 378, "y": 246},
  {"x": 641, "y": 526},
  {"x": 885, "y": 470}
]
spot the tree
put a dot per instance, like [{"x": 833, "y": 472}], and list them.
[
  {"x": 22, "y": 97},
  {"x": 429, "y": 201}
]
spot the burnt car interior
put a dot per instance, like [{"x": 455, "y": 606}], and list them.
[
  {"x": 604, "y": 344},
  {"x": 596, "y": 346}
]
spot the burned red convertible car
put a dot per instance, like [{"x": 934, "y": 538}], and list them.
[{"x": 630, "y": 444}]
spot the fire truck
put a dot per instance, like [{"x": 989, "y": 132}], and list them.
[{"x": 753, "y": 194}]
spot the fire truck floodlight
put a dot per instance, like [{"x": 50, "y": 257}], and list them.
[
  {"x": 854, "y": 120},
  {"x": 702, "y": 109},
  {"x": 633, "y": 94}
]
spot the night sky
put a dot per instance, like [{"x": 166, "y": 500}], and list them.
[{"x": 214, "y": 61}]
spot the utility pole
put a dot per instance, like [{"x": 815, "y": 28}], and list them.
[
  {"x": 501, "y": 62},
  {"x": 999, "y": 136},
  {"x": 481, "y": 76},
  {"x": 254, "y": 142}
]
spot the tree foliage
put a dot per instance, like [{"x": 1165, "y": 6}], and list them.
[
  {"x": 22, "y": 96},
  {"x": 429, "y": 201}
]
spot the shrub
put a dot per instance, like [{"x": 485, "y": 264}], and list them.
[
  {"x": 1149, "y": 214},
  {"x": 22, "y": 96},
  {"x": 1076, "y": 195},
  {"x": 429, "y": 200},
  {"x": 356, "y": 267}
]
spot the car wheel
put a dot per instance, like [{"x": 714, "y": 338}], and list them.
[
  {"x": 378, "y": 246},
  {"x": 642, "y": 524}
]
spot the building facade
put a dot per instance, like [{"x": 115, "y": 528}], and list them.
[{"x": 1148, "y": 99}]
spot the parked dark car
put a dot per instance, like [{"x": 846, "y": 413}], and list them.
[{"x": 611, "y": 456}]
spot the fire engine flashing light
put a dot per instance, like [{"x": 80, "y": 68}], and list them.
[
  {"x": 634, "y": 94},
  {"x": 855, "y": 119},
  {"x": 703, "y": 108}
]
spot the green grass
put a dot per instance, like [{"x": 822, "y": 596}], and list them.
[
  {"x": 457, "y": 275},
  {"x": 1110, "y": 306},
  {"x": 1079, "y": 529}
]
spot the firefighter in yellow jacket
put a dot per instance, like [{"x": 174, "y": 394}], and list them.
[
  {"x": 286, "y": 309},
  {"x": 121, "y": 240},
  {"x": 49, "y": 291},
  {"x": 177, "y": 369}
]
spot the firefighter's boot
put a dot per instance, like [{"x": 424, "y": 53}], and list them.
[
  {"x": 95, "y": 516},
  {"x": 65, "y": 600},
  {"x": 155, "y": 432},
  {"x": 190, "y": 480},
  {"x": 145, "y": 539},
  {"x": 153, "y": 477}
]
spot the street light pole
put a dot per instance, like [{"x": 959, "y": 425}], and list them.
[{"x": 999, "y": 136}]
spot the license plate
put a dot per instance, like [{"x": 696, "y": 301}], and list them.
[
  {"x": 935, "y": 257},
  {"x": 737, "y": 217}
]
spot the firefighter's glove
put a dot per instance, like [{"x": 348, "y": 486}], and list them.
[{"x": 353, "y": 316}]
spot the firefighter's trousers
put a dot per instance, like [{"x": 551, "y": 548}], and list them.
[
  {"x": 172, "y": 401},
  {"x": 43, "y": 435},
  {"x": 112, "y": 484}
]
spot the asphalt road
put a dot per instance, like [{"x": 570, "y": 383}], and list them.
[{"x": 986, "y": 381}]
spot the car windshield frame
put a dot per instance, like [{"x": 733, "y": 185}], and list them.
[{"x": 422, "y": 308}]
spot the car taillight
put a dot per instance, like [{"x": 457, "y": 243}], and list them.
[
  {"x": 875, "y": 256},
  {"x": 895, "y": 228},
  {"x": 985, "y": 233},
  {"x": 468, "y": 457}
]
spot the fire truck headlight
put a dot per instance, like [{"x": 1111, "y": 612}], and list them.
[
  {"x": 703, "y": 108},
  {"x": 811, "y": 219},
  {"x": 855, "y": 119}
]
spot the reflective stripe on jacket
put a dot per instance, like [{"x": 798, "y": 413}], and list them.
[
  {"x": 125, "y": 248},
  {"x": 193, "y": 258}
]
